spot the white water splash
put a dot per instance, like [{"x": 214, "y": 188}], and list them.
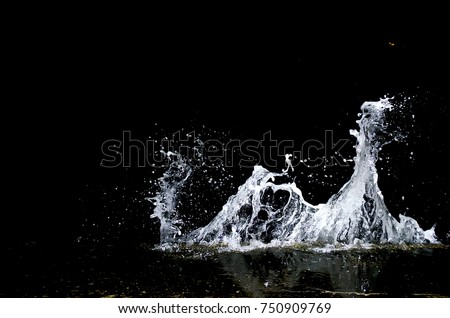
[
  {"x": 264, "y": 213},
  {"x": 167, "y": 198},
  {"x": 288, "y": 161}
]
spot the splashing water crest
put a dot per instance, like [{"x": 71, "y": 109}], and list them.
[
  {"x": 264, "y": 213},
  {"x": 167, "y": 198}
]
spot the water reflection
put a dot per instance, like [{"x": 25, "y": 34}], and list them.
[
  {"x": 296, "y": 273},
  {"x": 113, "y": 271}
]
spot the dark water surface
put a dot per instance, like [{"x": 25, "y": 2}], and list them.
[{"x": 123, "y": 271}]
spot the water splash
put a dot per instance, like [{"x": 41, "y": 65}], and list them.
[
  {"x": 266, "y": 213},
  {"x": 166, "y": 200}
]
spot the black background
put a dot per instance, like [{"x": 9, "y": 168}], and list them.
[{"x": 83, "y": 78}]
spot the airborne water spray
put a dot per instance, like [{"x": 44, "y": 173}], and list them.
[{"x": 356, "y": 214}]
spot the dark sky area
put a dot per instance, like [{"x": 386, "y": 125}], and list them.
[{"x": 102, "y": 74}]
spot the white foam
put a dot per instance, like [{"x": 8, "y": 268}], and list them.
[{"x": 355, "y": 215}]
